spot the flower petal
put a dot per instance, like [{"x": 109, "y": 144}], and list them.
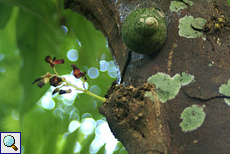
[
  {"x": 59, "y": 61},
  {"x": 65, "y": 91},
  {"x": 48, "y": 59},
  {"x": 74, "y": 66},
  {"x": 37, "y": 80},
  {"x": 55, "y": 91}
]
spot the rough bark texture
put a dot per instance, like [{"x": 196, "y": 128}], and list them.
[
  {"x": 190, "y": 55},
  {"x": 138, "y": 122}
]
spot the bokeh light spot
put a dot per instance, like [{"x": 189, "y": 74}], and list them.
[
  {"x": 72, "y": 55},
  {"x": 1, "y": 56},
  {"x": 111, "y": 64},
  {"x": 74, "y": 116},
  {"x": 64, "y": 30},
  {"x": 2, "y": 70},
  {"x": 77, "y": 147},
  {"x": 104, "y": 66},
  {"x": 15, "y": 114},
  {"x": 93, "y": 104},
  {"x": 123, "y": 150},
  {"x": 47, "y": 102},
  {"x": 65, "y": 135},
  {"x": 104, "y": 57},
  {"x": 22, "y": 149},
  {"x": 87, "y": 126},
  {"x": 69, "y": 100},
  {"x": 93, "y": 72},
  {"x": 103, "y": 135},
  {"x": 69, "y": 108},
  {"x": 79, "y": 43},
  {"x": 86, "y": 115},
  {"x": 59, "y": 113},
  {"x": 112, "y": 72},
  {"x": 96, "y": 145},
  {"x": 73, "y": 125},
  {"x": 95, "y": 89}
]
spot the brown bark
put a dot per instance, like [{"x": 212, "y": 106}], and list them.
[
  {"x": 191, "y": 55},
  {"x": 139, "y": 123}
]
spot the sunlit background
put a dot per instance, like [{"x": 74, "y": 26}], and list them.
[{"x": 53, "y": 124}]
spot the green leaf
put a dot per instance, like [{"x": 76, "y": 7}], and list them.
[
  {"x": 9, "y": 66},
  {"x": 102, "y": 149},
  {"x": 5, "y": 14},
  {"x": 40, "y": 130},
  {"x": 86, "y": 143},
  {"x": 36, "y": 39},
  {"x": 70, "y": 142}
]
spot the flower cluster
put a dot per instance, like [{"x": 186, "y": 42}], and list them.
[{"x": 55, "y": 80}]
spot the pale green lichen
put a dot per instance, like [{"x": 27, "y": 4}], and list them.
[
  {"x": 227, "y": 101},
  {"x": 193, "y": 117},
  {"x": 225, "y": 90},
  {"x": 186, "y": 29},
  {"x": 176, "y": 6},
  {"x": 198, "y": 23},
  {"x": 186, "y": 78},
  {"x": 168, "y": 87}
]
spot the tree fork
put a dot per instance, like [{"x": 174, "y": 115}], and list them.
[{"x": 207, "y": 58}]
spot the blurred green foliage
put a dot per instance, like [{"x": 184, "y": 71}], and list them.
[{"x": 29, "y": 31}]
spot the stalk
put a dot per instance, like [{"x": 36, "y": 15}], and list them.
[{"x": 85, "y": 91}]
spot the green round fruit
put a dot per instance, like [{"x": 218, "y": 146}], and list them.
[{"x": 144, "y": 30}]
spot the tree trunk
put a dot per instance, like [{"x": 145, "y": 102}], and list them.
[{"x": 151, "y": 127}]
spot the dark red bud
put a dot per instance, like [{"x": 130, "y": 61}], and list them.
[
  {"x": 55, "y": 81},
  {"x": 77, "y": 72}
]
